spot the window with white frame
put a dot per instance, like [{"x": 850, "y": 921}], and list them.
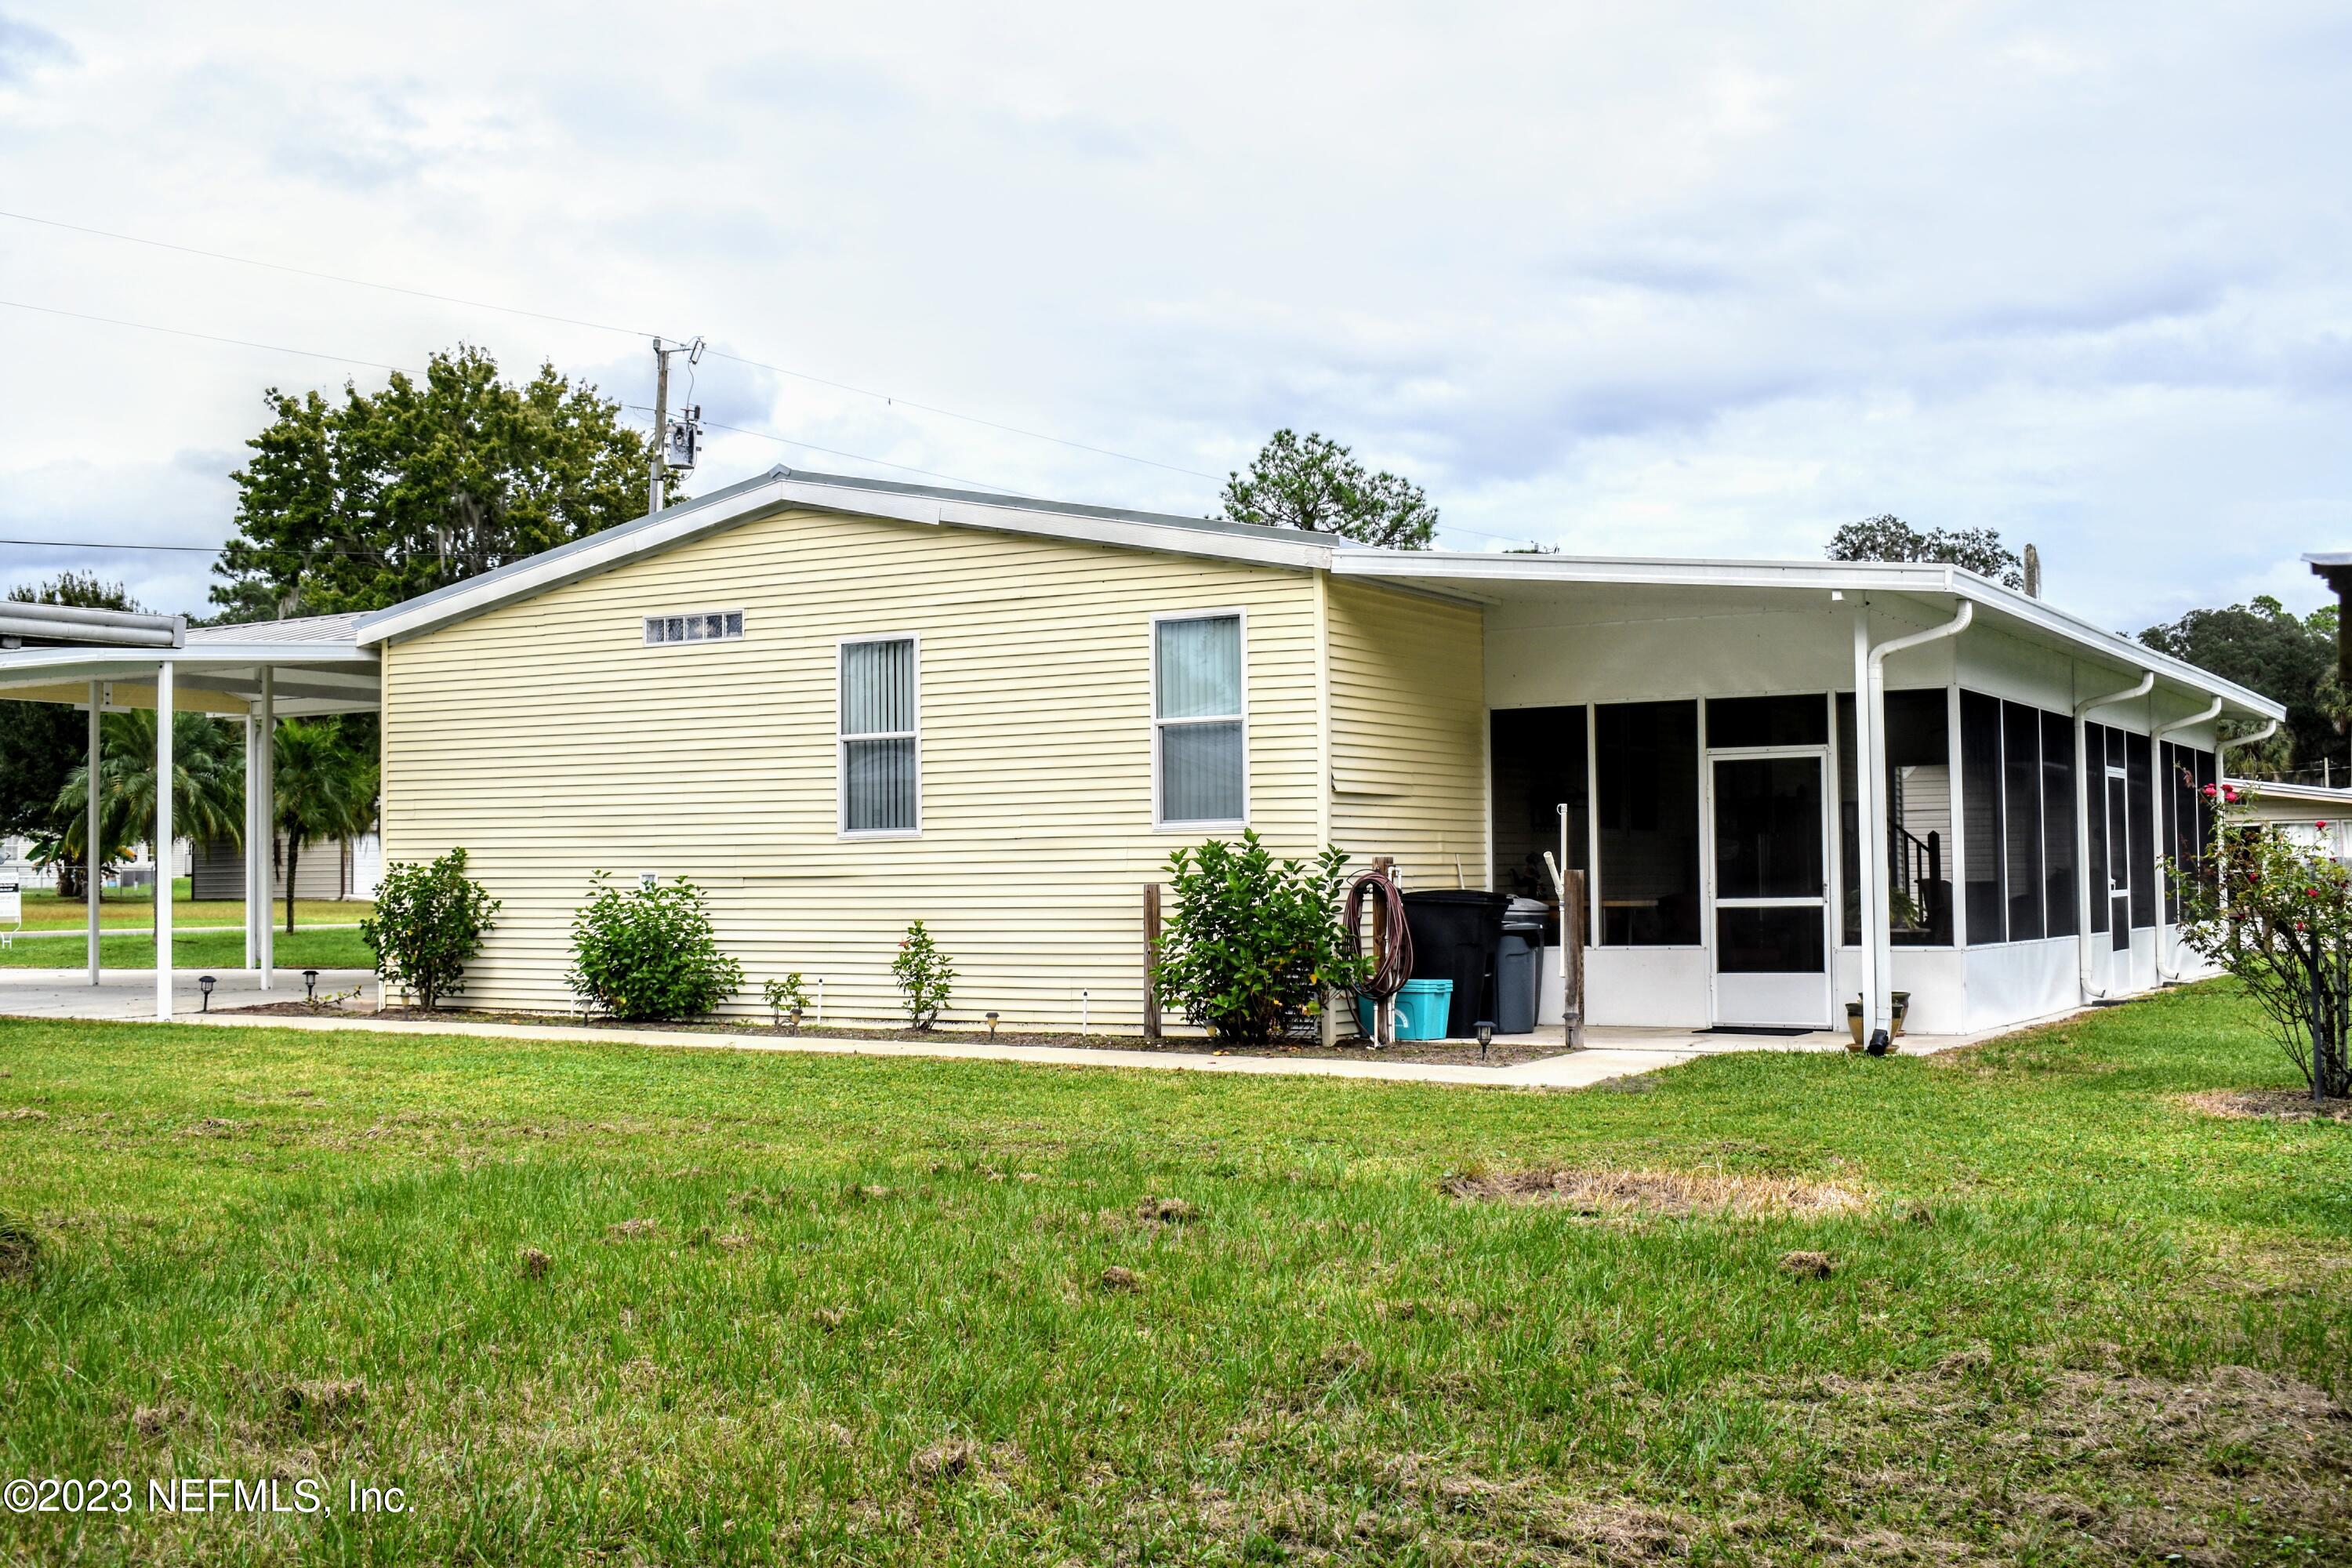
[
  {"x": 703, "y": 626},
  {"x": 881, "y": 784},
  {"x": 1200, "y": 749}
]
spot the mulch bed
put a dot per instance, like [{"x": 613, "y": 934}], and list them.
[
  {"x": 2268, "y": 1105},
  {"x": 1450, "y": 1052}
]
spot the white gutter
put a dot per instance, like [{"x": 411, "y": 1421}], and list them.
[
  {"x": 2146, "y": 684},
  {"x": 1877, "y": 995},
  {"x": 2156, "y": 755}
]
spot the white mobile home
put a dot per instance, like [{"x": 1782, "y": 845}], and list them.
[{"x": 841, "y": 705}]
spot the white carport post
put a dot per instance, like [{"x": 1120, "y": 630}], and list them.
[
  {"x": 265, "y": 853},
  {"x": 252, "y": 800},
  {"x": 162, "y": 845},
  {"x": 90, "y": 834}
]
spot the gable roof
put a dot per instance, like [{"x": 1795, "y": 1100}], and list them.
[
  {"x": 1469, "y": 574},
  {"x": 782, "y": 488}
]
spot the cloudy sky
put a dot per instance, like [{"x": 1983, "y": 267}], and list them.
[{"x": 1625, "y": 278}]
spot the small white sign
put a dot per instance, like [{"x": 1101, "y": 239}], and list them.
[{"x": 11, "y": 902}]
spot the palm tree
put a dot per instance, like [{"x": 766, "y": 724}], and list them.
[
  {"x": 325, "y": 789},
  {"x": 207, "y": 789}
]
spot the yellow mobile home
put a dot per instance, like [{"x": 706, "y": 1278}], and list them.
[{"x": 841, "y": 705}]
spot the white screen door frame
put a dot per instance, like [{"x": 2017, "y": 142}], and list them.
[{"x": 1794, "y": 998}]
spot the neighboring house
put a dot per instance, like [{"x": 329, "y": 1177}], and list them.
[
  {"x": 328, "y": 868},
  {"x": 840, "y": 705},
  {"x": 2312, "y": 815}
]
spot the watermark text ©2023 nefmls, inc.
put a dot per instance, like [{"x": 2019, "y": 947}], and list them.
[{"x": 197, "y": 1494}]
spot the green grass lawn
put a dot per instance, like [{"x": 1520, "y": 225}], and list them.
[
  {"x": 134, "y": 909},
  {"x": 333, "y": 949},
  {"x": 591, "y": 1302}
]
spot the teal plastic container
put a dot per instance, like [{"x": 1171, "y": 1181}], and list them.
[{"x": 1421, "y": 1009}]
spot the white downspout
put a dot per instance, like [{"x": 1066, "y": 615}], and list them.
[
  {"x": 2220, "y": 768},
  {"x": 1865, "y": 802},
  {"x": 2156, "y": 757},
  {"x": 1879, "y": 942},
  {"x": 2146, "y": 684}
]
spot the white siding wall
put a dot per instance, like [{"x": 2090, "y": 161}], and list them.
[
  {"x": 1408, "y": 733},
  {"x": 551, "y": 743}
]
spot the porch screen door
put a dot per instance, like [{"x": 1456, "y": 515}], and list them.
[
  {"x": 1772, "y": 891},
  {"x": 2118, "y": 860}
]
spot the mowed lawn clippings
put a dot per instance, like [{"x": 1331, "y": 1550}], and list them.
[{"x": 591, "y": 1302}]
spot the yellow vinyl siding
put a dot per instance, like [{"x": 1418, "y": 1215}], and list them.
[
  {"x": 550, "y": 742},
  {"x": 1407, "y": 716}
]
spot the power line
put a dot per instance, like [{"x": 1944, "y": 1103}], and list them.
[
  {"x": 852, "y": 456},
  {"x": 85, "y": 544},
  {"x": 324, "y": 277},
  {"x": 378, "y": 365},
  {"x": 889, "y": 398},
  {"x": 592, "y": 326},
  {"x": 895, "y": 402},
  {"x": 206, "y": 337}
]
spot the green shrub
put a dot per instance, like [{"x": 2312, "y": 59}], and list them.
[
  {"x": 649, "y": 952},
  {"x": 787, "y": 998},
  {"x": 924, "y": 975},
  {"x": 1252, "y": 942},
  {"x": 428, "y": 924}
]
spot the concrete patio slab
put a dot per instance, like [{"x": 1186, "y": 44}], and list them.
[{"x": 1607, "y": 1053}]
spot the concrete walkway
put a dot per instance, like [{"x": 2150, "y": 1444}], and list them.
[
  {"x": 130, "y": 993},
  {"x": 54, "y": 933},
  {"x": 1609, "y": 1053}
]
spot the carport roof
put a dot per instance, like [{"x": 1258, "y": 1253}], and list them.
[{"x": 317, "y": 667}]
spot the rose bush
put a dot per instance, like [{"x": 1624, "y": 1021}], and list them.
[{"x": 2277, "y": 915}]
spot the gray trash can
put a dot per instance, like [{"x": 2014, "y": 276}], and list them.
[{"x": 1519, "y": 979}]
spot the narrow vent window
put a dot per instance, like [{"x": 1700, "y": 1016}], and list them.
[{"x": 703, "y": 626}]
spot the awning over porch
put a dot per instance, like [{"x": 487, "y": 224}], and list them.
[{"x": 102, "y": 661}]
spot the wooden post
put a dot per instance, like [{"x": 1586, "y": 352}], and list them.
[
  {"x": 1151, "y": 960},
  {"x": 1571, "y": 960},
  {"x": 1385, "y": 1010}
]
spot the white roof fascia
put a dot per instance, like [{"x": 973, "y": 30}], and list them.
[
  {"x": 528, "y": 578},
  {"x": 1128, "y": 531},
  {"x": 629, "y": 544},
  {"x": 45, "y": 666},
  {"x": 2316, "y": 794},
  {"x": 1650, "y": 570},
  {"x": 1851, "y": 576}
]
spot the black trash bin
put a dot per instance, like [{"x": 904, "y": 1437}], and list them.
[
  {"x": 1519, "y": 979},
  {"x": 1455, "y": 935}
]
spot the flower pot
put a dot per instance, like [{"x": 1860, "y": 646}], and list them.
[
  {"x": 1901, "y": 1007},
  {"x": 1854, "y": 1025}
]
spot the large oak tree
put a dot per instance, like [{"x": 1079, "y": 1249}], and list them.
[{"x": 361, "y": 502}]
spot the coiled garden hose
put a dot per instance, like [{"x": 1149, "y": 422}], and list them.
[{"x": 1393, "y": 963}]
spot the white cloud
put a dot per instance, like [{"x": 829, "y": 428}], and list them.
[{"x": 1685, "y": 277}]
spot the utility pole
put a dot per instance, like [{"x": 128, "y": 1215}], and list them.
[
  {"x": 661, "y": 422},
  {"x": 693, "y": 418}
]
